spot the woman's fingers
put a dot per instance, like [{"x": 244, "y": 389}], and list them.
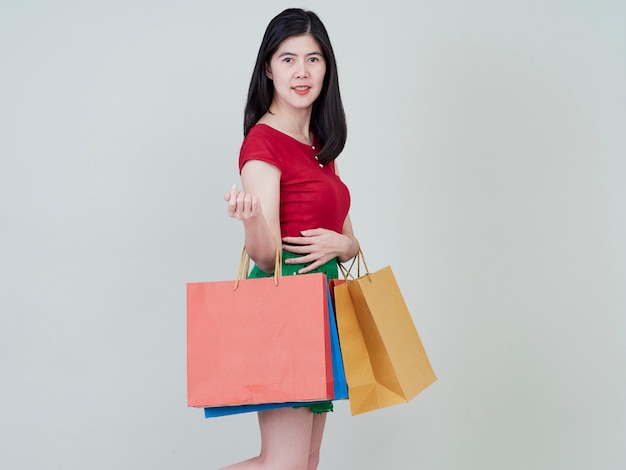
[
  {"x": 241, "y": 205},
  {"x": 247, "y": 203},
  {"x": 309, "y": 268},
  {"x": 296, "y": 244},
  {"x": 316, "y": 245},
  {"x": 315, "y": 232},
  {"x": 233, "y": 191},
  {"x": 231, "y": 199}
]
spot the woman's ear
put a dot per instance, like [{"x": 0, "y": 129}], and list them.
[{"x": 268, "y": 71}]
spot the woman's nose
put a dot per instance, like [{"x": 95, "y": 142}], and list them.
[{"x": 301, "y": 70}]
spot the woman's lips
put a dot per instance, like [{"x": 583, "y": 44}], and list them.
[{"x": 301, "y": 90}]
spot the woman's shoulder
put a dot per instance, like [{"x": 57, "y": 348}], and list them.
[
  {"x": 260, "y": 131},
  {"x": 260, "y": 138},
  {"x": 261, "y": 144}
]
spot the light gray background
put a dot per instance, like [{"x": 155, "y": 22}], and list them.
[{"x": 486, "y": 159}]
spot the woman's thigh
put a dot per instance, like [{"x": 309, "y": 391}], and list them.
[{"x": 286, "y": 436}]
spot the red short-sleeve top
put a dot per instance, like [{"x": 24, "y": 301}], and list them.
[{"x": 310, "y": 196}]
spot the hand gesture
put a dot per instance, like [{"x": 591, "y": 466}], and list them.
[{"x": 241, "y": 204}]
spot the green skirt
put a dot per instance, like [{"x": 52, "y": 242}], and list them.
[{"x": 332, "y": 272}]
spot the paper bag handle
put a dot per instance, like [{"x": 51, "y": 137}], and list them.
[
  {"x": 244, "y": 266},
  {"x": 358, "y": 259}
]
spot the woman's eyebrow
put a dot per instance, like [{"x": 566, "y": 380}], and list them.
[{"x": 286, "y": 53}]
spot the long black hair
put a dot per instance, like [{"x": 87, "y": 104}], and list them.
[{"x": 328, "y": 120}]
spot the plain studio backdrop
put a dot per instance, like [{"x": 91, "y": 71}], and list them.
[{"x": 486, "y": 159}]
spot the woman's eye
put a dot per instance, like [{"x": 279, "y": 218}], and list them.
[{"x": 288, "y": 59}]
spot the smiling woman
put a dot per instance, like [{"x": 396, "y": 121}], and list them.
[
  {"x": 294, "y": 129},
  {"x": 296, "y": 67}
]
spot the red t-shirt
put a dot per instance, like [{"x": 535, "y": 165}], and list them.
[{"x": 310, "y": 196}]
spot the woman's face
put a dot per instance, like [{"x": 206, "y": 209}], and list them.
[{"x": 297, "y": 69}]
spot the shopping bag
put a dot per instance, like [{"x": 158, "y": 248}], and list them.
[
  {"x": 384, "y": 359},
  {"x": 264, "y": 340},
  {"x": 340, "y": 391},
  {"x": 340, "y": 385}
]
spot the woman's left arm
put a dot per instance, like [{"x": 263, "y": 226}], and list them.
[{"x": 353, "y": 248}]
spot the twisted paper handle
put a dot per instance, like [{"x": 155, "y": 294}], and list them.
[
  {"x": 244, "y": 266},
  {"x": 358, "y": 259}
]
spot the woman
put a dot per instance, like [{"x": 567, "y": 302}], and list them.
[{"x": 292, "y": 196}]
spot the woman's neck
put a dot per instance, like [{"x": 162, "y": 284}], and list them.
[{"x": 295, "y": 124}]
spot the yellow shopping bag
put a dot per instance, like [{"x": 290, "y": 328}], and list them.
[{"x": 384, "y": 359}]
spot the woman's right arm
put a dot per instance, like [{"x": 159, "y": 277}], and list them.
[{"x": 257, "y": 206}]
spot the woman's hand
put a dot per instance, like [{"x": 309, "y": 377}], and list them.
[
  {"x": 260, "y": 241},
  {"x": 318, "y": 247},
  {"x": 241, "y": 204}
]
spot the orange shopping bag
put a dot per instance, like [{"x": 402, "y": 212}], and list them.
[
  {"x": 264, "y": 340},
  {"x": 384, "y": 359}
]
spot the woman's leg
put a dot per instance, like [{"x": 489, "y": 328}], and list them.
[
  {"x": 317, "y": 431},
  {"x": 286, "y": 438}
]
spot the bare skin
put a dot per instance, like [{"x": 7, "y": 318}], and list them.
[{"x": 291, "y": 439}]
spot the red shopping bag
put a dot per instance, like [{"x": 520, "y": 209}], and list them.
[{"x": 267, "y": 340}]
